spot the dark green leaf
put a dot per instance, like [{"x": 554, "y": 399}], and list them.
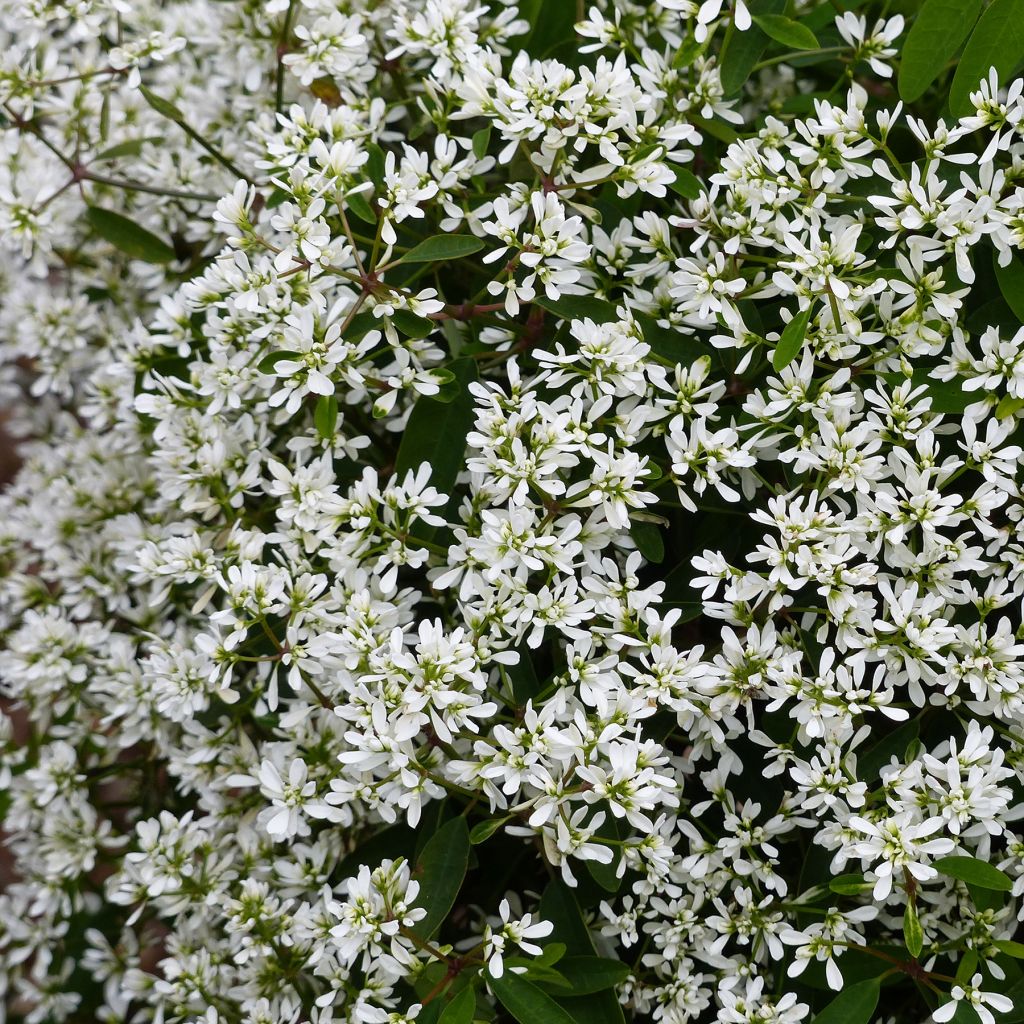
[
  {"x": 965, "y": 1014},
  {"x": 325, "y": 417},
  {"x": 578, "y": 307},
  {"x": 443, "y": 247},
  {"x": 440, "y": 871},
  {"x": 913, "y": 935},
  {"x": 976, "y": 872},
  {"x": 1008, "y": 406},
  {"x": 527, "y": 1003},
  {"x": 375, "y": 163},
  {"x": 746, "y": 48},
  {"x": 648, "y": 540},
  {"x": 436, "y": 432},
  {"x": 461, "y": 1009},
  {"x": 558, "y": 905},
  {"x": 1011, "y": 284},
  {"x": 411, "y": 325},
  {"x": 875, "y": 758},
  {"x": 854, "y": 1005},
  {"x": 163, "y": 107},
  {"x": 481, "y": 140},
  {"x": 935, "y": 35},
  {"x": 129, "y": 237},
  {"x": 522, "y": 676},
  {"x": 996, "y": 42},
  {"x": 686, "y": 184},
  {"x": 849, "y": 885},
  {"x": 268, "y": 363},
  {"x": 358, "y": 204},
  {"x": 792, "y": 340},
  {"x": 483, "y": 830},
  {"x": 786, "y": 31},
  {"x": 133, "y": 147},
  {"x": 589, "y": 974}
]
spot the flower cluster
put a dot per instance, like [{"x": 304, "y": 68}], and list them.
[{"x": 521, "y": 513}]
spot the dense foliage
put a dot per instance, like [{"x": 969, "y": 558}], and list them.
[{"x": 521, "y": 512}]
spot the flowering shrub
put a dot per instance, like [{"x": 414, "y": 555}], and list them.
[{"x": 521, "y": 512}]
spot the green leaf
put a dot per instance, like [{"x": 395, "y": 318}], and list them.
[
  {"x": 442, "y": 247},
  {"x": 483, "y": 830},
  {"x": 686, "y": 184},
  {"x": 745, "y": 49},
  {"x": 411, "y": 325},
  {"x": 792, "y": 340},
  {"x": 325, "y": 417},
  {"x": 935, "y": 35},
  {"x": 976, "y": 872},
  {"x": 786, "y": 31},
  {"x": 358, "y": 204},
  {"x": 913, "y": 934},
  {"x": 461, "y": 1009},
  {"x": 854, "y": 1005},
  {"x": 874, "y": 759},
  {"x": 965, "y": 1014},
  {"x": 163, "y": 107},
  {"x": 996, "y": 42},
  {"x": 375, "y": 163},
  {"x": 133, "y": 147},
  {"x": 1011, "y": 948},
  {"x": 648, "y": 540},
  {"x": 1011, "y": 284},
  {"x": 1008, "y": 406},
  {"x": 558, "y": 905},
  {"x": 481, "y": 140},
  {"x": 269, "y": 362},
  {"x": 129, "y": 237},
  {"x": 578, "y": 307},
  {"x": 440, "y": 871},
  {"x": 849, "y": 885},
  {"x": 436, "y": 432},
  {"x": 522, "y": 677},
  {"x": 589, "y": 974},
  {"x": 527, "y": 1003}
]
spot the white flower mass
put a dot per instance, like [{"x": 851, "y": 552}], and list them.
[{"x": 520, "y": 514}]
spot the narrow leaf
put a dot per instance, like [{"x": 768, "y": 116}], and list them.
[
  {"x": 443, "y": 247},
  {"x": 129, "y": 237},
  {"x": 589, "y": 974},
  {"x": 440, "y": 871},
  {"x": 133, "y": 147},
  {"x": 483, "y": 830},
  {"x": 913, "y": 935},
  {"x": 481, "y": 140},
  {"x": 461, "y": 1009},
  {"x": 578, "y": 307},
  {"x": 935, "y": 35},
  {"x": 325, "y": 417},
  {"x": 163, "y": 107},
  {"x": 849, "y": 885},
  {"x": 977, "y": 872},
  {"x": 792, "y": 340},
  {"x": 786, "y": 31},
  {"x": 996, "y": 42},
  {"x": 686, "y": 184},
  {"x": 436, "y": 432},
  {"x": 854, "y": 1005},
  {"x": 1011, "y": 284},
  {"x": 745, "y": 48},
  {"x": 527, "y": 1003},
  {"x": 648, "y": 540}
]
